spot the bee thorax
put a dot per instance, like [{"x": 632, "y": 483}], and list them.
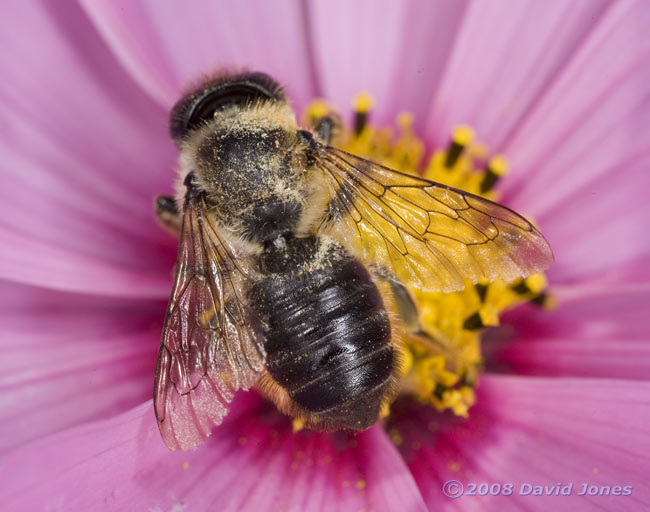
[
  {"x": 270, "y": 219},
  {"x": 254, "y": 179},
  {"x": 287, "y": 253}
]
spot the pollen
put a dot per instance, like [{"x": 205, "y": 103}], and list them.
[
  {"x": 441, "y": 363},
  {"x": 298, "y": 424}
]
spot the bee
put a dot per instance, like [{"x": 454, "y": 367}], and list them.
[{"x": 291, "y": 255}]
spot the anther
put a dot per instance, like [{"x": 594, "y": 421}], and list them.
[
  {"x": 317, "y": 109},
  {"x": 484, "y": 317},
  {"x": 534, "y": 284},
  {"x": 362, "y": 104},
  {"x": 405, "y": 121},
  {"x": 481, "y": 290},
  {"x": 542, "y": 300},
  {"x": 461, "y": 137},
  {"x": 497, "y": 167},
  {"x": 323, "y": 120}
]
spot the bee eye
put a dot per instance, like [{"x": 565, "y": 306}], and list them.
[{"x": 217, "y": 94}]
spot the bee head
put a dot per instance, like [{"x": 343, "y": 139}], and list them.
[{"x": 215, "y": 95}]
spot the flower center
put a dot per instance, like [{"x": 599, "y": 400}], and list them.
[{"x": 443, "y": 361}]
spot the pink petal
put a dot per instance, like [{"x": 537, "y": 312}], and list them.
[
  {"x": 67, "y": 359},
  {"x": 602, "y": 225},
  {"x": 427, "y": 37},
  {"x": 254, "y": 463},
  {"x": 505, "y": 56},
  {"x": 394, "y": 50},
  {"x": 84, "y": 150},
  {"x": 580, "y": 158},
  {"x": 537, "y": 431},
  {"x": 571, "y": 114},
  {"x": 634, "y": 276},
  {"x": 90, "y": 113},
  {"x": 593, "y": 116},
  {"x": 163, "y": 46},
  {"x": 26, "y": 260},
  {"x": 600, "y": 334}
]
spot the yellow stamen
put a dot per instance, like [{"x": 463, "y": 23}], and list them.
[
  {"x": 545, "y": 301},
  {"x": 317, "y": 109},
  {"x": 498, "y": 165},
  {"x": 489, "y": 315},
  {"x": 460, "y": 139},
  {"x": 536, "y": 283},
  {"x": 463, "y": 135},
  {"x": 497, "y": 168},
  {"x": 362, "y": 102}
]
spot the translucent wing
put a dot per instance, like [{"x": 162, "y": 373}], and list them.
[
  {"x": 431, "y": 236},
  {"x": 207, "y": 351}
]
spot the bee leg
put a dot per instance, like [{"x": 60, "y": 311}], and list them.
[
  {"x": 327, "y": 127},
  {"x": 167, "y": 213},
  {"x": 408, "y": 312},
  {"x": 406, "y": 308}
]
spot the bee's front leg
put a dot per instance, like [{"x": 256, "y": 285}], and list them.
[{"x": 167, "y": 213}]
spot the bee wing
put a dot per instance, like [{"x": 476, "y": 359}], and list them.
[
  {"x": 430, "y": 235},
  {"x": 208, "y": 349}
]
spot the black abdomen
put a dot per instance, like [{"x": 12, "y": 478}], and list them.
[{"x": 328, "y": 339}]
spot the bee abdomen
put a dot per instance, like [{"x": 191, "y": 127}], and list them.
[{"x": 328, "y": 340}]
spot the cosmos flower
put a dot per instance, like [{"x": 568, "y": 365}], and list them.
[{"x": 561, "y": 88}]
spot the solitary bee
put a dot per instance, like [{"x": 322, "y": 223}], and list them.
[{"x": 291, "y": 255}]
